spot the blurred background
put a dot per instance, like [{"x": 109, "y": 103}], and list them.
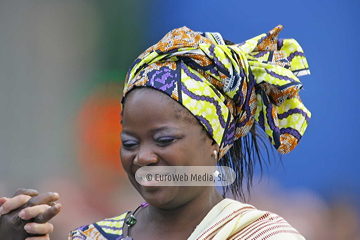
[{"x": 62, "y": 65}]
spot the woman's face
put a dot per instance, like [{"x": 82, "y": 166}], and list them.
[{"x": 155, "y": 132}]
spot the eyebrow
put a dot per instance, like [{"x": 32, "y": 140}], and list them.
[{"x": 152, "y": 130}]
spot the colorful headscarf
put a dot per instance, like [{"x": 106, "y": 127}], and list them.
[{"x": 228, "y": 87}]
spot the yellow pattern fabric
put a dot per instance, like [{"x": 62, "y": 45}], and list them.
[
  {"x": 110, "y": 228},
  {"x": 229, "y": 87}
]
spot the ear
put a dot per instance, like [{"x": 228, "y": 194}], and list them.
[{"x": 215, "y": 151}]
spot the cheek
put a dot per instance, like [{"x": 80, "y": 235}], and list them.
[
  {"x": 126, "y": 160},
  {"x": 178, "y": 154},
  {"x": 200, "y": 152}
]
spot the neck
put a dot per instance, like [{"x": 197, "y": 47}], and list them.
[{"x": 189, "y": 214}]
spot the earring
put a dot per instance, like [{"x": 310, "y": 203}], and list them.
[{"x": 215, "y": 154}]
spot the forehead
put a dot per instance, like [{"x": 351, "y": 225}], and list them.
[
  {"x": 144, "y": 101},
  {"x": 149, "y": 97}
]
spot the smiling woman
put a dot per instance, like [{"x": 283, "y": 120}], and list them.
[
  {"x": 194, "y": 99},
  {"x": 153, "y": 136}
]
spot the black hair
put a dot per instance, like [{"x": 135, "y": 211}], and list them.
[
  {"x": 243, "y": 157},
  {"x": 246, "y": 153}
]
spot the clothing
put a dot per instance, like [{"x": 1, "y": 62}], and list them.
[
  {"x": 229, "y": 87},
  {"x": 229, "y": 219}
]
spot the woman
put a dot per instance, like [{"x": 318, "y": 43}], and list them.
[{"x": 194, "y": 99}]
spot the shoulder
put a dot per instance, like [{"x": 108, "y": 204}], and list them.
[
  {"x": 267, "y": 226},
  {"x": 107, "y": 229},
  {"x": 258, "y": 224}
]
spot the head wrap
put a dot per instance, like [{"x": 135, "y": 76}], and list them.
[{"x": 228, "y": 87}]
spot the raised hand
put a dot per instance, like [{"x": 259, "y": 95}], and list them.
[{"x": 26, "y": 215}]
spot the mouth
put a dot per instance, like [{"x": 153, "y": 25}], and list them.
[
  {"x": 151, "y": 179},
  {"x": 146, "y": 183},
  {"x": 156, "y": 176}
]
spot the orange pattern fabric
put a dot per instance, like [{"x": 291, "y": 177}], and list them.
[{"x": 229, "y": 87}]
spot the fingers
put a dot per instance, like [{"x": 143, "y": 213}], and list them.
[
  {"x": 3, "y": 200},
  {"x": 24, "y": 191},
  {"x": 39, "y": 238},
  {"x": 40, "y": 225},
  {"x": 44, "y": 198},
  {"x": 41, "y": 213},
  {"x": 32, "y": 212},
  {"x": 39, "y": 228},
  {"x": 19, "y": 200},
  {"x": 14, "y": 203},
  {"x": 48, "y": 214}
]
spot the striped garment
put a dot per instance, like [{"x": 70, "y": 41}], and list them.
[{"x": 229, "y": 219}]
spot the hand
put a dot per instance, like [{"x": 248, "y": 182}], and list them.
[
  {"x": 20, "y": 198},
  {"x": 28, "y": 210}
]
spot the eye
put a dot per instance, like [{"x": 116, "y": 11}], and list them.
[
  {"x": 165, "y": 141},
  {"x": 129, "y": 144}
]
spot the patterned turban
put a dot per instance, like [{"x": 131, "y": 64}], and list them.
[{"x": 229, "y": 87}]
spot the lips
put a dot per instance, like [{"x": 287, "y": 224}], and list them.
[
  {"x": 145, "y": 182},
  {"x": 151, "y": 179}
]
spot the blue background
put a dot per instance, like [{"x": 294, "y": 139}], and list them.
[{"x": 327, "y": 158}]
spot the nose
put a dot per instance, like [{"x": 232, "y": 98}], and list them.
[{"x": 145, "y": 157}]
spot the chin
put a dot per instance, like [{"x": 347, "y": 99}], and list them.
[
  {"x": 162, "y": 197},
  {"x": 159, "y": 197}
]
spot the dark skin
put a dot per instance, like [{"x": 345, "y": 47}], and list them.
[
  {"x": 155, "y": 135},
  {"x": 12, "y": 226}
]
